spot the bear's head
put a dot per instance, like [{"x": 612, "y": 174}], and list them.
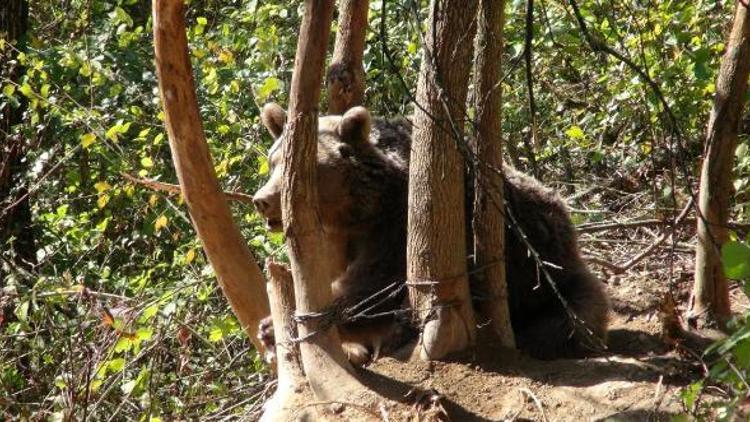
[{"x": 342, "y": 141}]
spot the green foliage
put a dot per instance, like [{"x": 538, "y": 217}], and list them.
[
  {"x": 730, "y": 356},
  {"x": 735, "y": 257},
  {"x": 121, "y": 317}
]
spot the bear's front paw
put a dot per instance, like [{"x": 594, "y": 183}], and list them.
[
  {"x": 356, "y": 353},
  {"x": 267, "y": 338}
]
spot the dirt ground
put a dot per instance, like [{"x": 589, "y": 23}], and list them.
[{"x": 637, "y": 379}]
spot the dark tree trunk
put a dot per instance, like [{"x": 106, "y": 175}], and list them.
[
  {"x": 710, "y": 298},
  {"x": 16, "y": 237},
  {"x": 436, "y": 249},
  {"x": 489, "y": 220}
]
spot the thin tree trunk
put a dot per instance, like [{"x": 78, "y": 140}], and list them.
[
  {"x": 346, "y": 76},
  {"x": 489, "y": 218},
  {"x": 710, "y": 297},
  {"x": 236, "y": 270},
  {"x": 436, "y": 249},
  {"x": 16, "y": 235},
  {"x": 328, "y": 371},
  {"x": 292, "y": 391}
]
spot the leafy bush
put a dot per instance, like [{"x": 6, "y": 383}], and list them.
[{"x": 119, "y": 317}]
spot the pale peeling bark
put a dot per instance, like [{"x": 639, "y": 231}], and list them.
[
  {"x": 238, "y": 274},
  {"x": 436, "y": 250},
  {"x": 489, "y": 214},
  {"x": 710, "y": 297},
  {"x": 292, "y": 391},
  {"x": 346, "y": 75}
]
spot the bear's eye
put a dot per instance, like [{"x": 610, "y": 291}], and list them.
[{"x": 345, "y": 151}]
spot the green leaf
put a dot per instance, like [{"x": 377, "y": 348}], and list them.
[
  {"x": 575, "y": 132},
  {"x": 149, "y": 312},
  {"x": 102, "y": 186},
  {"x": 111, "y": 134},
  {"x": 22, "y": 311},
  {"x": 147, "y": 162},
  {"x": 116, "y": 365},
  {"x": 735, "y": 257},
  {"x": 216, "y": 334},
  {"x": 262, "y": 166},
  {"x": 8, "y": 90},
  {"x": 87, "y": 139},
  {"x": 741, "y": 151},
  {"x": 123, "y": 344},
  {"x": 26, "y": 90},
  {"x": 160, "y": 223},
  {"x": 60, "y": 382},
  {"x": 144, "y": 334},
  {"x": 270, "y": 85},
  {"x": 690, "y": 394}
]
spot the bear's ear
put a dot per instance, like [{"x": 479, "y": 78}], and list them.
[
  {"x": 354, "y": 127},
  {"x": 273, "y": 118}
]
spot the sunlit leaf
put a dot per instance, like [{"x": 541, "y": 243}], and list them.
[
  {"x": 160, "y": 223},
  {"x": 116, "y": 365},
  {"x": 102, "y": 201},
  {"x": 189, "y": 256},
  {"x": 270, "y": 85},
  {"x": 575, "y": 132},
  {"x": 102, "y": 186},
  {"x": 87, "y": 139},
  {"x": 735, "y": 257},
  {"x": 26, "y": 90},
  {"x": 8, "y": 90}
]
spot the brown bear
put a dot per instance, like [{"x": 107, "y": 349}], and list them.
[{"x": 362, "y": 182}]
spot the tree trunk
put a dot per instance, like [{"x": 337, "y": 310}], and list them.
[
  {"x": 488, "y": 222},
  {"x": 346, "y": 76},
  {"x": 710, "y": 297},
  {"x": 292, "y": 391},
  {"x": 436, "y": 249},
  {"x": 236, "y": 270},
  {"x": 328, "y": 371},
  {"x": 16, "y": 236}
]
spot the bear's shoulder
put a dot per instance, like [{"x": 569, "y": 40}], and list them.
[{"x": 393, "y": 138}]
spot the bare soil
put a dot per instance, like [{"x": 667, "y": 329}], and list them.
[{"x": 638, "y": 378}]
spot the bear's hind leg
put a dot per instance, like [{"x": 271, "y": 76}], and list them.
[{"x": 555, "y": 335}]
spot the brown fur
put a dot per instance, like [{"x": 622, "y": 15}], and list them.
[{"x": 362, "y": 178}]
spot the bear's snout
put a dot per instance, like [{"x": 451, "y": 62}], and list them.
[
  {"x": 267, "y": 203},
  {"x": 261, "y": 204}
]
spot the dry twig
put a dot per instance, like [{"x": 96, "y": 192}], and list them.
[{"x": 175, "y": 189}]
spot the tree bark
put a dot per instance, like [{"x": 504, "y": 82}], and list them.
[
  {"x": 16, "y": 235},
  {"x": 327, "y": 368},
  {"x": 436, "y": 248},
  {"x": 710, "y": 297},
  {"x": 292, "y": 391},
  {"x": 489, "y": 218},
  {"x": 236, "y": 270},
  {"x": 346, "y": 75}
]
